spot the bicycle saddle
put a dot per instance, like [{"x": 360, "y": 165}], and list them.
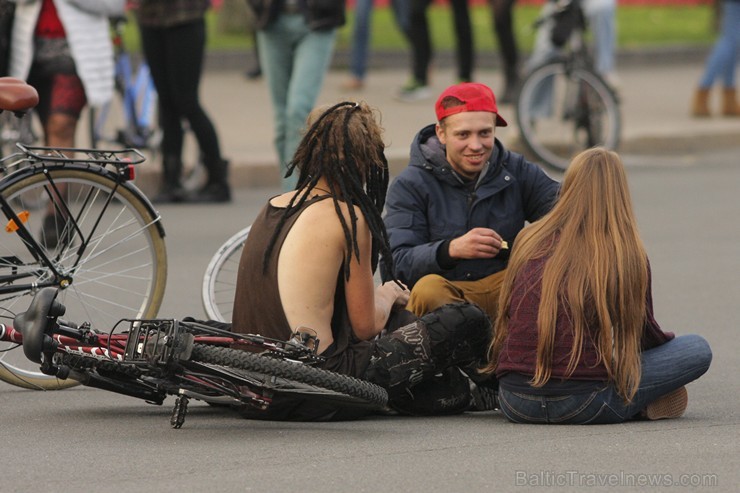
[
  {"x": 16, "y": 95},
  {"x": 35, "y": 323}
]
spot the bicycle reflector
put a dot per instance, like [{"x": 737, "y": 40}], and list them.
[
  {"x": 128, "y": 173},
  {"x": 12, "y": 227}
]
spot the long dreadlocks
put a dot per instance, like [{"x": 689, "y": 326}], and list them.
[{"x": 344, "y": 145}]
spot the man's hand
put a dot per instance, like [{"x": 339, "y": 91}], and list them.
[{"x": 477, "y": 243}]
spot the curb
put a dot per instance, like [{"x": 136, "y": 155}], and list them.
[
  {"x": 265, "y": 174},
  {"x": 379, "y": 60}
]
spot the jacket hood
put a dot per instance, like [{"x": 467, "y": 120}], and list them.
[{"x": 428, "y": 153}]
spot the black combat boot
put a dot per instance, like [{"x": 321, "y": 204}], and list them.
[
  {"x": 171, "y": 189},
  {"x": 216, "y": 190}
]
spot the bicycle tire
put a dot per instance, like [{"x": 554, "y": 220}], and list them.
[
  {"x": 563, "y": 110},
  {"x": 219, "y": 281},
  {"x": 296, "y": 378},
  {"x": 121, "y": 274}
]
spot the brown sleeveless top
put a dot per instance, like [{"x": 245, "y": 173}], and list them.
[{"x": 257, "y": 305}]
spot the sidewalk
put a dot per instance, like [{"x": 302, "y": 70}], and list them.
[{"x": 655, "y": 107}]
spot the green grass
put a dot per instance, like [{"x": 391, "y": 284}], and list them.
[{"x": 637, "y": 26}]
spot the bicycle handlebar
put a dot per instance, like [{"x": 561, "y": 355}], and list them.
[{"x": 17, "y": 96}]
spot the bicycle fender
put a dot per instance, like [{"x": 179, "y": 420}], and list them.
[{"x": 87, "y": 167}]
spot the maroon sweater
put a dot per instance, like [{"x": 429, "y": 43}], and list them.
[{"x": 519, "y": 353}]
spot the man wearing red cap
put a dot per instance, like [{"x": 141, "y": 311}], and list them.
[{"x": 452, "y": 215}]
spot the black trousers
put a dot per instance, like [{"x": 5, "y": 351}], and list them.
[
  {"x": 421, "y": 44},
  {"x": 420, "y": 364},
  {"x": 504, "y": 30},
  {"x": 175, "y": 58}
]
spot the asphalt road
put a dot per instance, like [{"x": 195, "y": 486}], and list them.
[{"x": 688, "y": 207}]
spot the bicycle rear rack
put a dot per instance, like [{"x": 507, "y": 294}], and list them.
[
  {"x": 101, "y": 157},
  {"x": 157, "y": 341}
]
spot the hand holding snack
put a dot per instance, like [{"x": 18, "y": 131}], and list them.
[{"x": 477, "y": 243}]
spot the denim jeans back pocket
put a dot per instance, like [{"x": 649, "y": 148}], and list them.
[{"x": 560, "y": 409}]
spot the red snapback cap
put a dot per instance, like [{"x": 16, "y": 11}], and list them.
[{"x": 474, "y": 97}]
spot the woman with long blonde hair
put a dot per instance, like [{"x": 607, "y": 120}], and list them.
[{"x": 576, "y": 340}]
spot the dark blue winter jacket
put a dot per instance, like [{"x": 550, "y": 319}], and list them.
[{"x": 428, "y": 204}]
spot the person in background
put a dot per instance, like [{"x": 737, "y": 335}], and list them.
[
  {"x": 173, "y": 36},
  {"x": 576, "y": 341},
  {"x": 308, "y": 266},
  {"x": 417, "y": 88},
  {"x": 722, "y": 62},
  {"x": 63, "y": 49},
  {"x": 602, "y": 22},
  {"x": 296, "y": 42},
  {"x": 256, "y": 71},
  {"x": 7, "y": 10},
  {"x": 453, "y": 213},
  {"x": 503, "y": 23},
  {"x": 361, "y": 38}
]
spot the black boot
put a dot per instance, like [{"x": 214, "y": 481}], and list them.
[
  {"x": 171, "y": 190},
  {"x": 216, "y": 190}
]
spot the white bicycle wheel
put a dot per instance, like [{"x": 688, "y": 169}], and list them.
[{"x": 219, "y": 280}]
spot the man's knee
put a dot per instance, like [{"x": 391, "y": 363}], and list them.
[
  {"x": 401, "y": 359},
  {"x": 431, "y": 292},
  {"x": 458, "y": 333}
]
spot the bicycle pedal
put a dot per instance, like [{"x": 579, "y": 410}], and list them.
[{"x": 179, "y": 411}]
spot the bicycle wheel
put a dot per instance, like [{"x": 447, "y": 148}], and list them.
[
  {"x": 219, "y": 280},
  {"x": 295, "y": 379},
  {"x": 105, "y": 241},
  {"x": 562, "y": 111}
]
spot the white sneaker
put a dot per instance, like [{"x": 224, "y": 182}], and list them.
[{"x": 414, "y": 92}]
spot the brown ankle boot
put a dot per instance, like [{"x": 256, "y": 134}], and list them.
[
  {"x": 670, "y": 405},
  {"x": 730, "y": 106},
  {"x": 701, "y": 103}
]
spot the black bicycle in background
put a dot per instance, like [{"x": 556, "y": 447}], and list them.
[{"x": 564, "y": 106}]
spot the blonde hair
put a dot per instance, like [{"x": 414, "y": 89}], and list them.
[{"x": 597, "y": 269}]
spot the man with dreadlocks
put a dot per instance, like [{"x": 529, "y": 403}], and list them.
[{"x": 309, "y": 261}]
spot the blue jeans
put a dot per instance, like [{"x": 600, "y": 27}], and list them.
[
  {"x": 664, "y": 369},
  {"x": 294, "y": 60},
  {"x": 361, "y": 33},
  {"x": 723, "y": 59}
]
